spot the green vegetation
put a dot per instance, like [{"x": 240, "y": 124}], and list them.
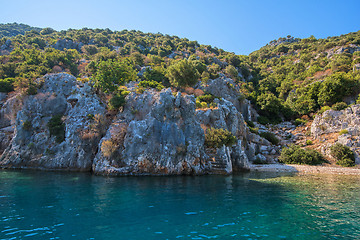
[
  {"x": 339, "y": 106},
  {"x": 27, "y": 125},
  {"x": 299, "y": 121},
  {"x": 309, "y": 142},
  {"x": 111, "y": 74},
  {"x": 13, "y": 29},
  {"x": 270, "y": 137},
  {"x": 285, "y": 79},
  {"x": 343, "y": 131},
  {"x": 217, "y": 137},
  {"x": 183, "y": 73},
  {"x": 151, "y": 84},
  {"x": 297, "y": 155},
  {"x": 302, "y": 75},
  {"x": 344, "y": 156},
  {"x": 7, "y": 85},
  {"x": 57, "y": 128}
]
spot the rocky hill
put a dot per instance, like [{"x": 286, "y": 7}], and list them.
[
  {"x": 127, "y": 102},
  {"x": 65, "y": 126}
]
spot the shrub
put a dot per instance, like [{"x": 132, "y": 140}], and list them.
[
  {"x": 309, "y": 142},
  {"x": 250, "y": 123},
  {"x": 204, "y": 105},
  {"x": 217, "y": 137},
  {"x": 300, "y": 121},
  {"x": 323, "y": 109},
  {"x": 296, "y": 155},
  {"x": 270, "y": 137},
  {"x": 254, "y": 130},
  {"x": 151, "y": 84},
  {"x": 7, "y": 85},
  {"x": 57, "y": 128},
  {"x": 263, "y": 120},
  {"x": 346, "y": 162},
  {"x": 183, "y": 73},
  {"x": 27, "y": 125},
  {"x": 343, "y": 154},
  {"x": 111, "y": 74},
  {"x": 208, "y": 98},
  {"x": 339, "y": 106},
  {"x": 116, "y": 102},
  {"x": 343, "y": 131}
]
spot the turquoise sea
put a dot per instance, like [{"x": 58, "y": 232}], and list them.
[{"x": 53, "y": 205}]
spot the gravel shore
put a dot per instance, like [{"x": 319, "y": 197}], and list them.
[{"x": 304, "y": 169}]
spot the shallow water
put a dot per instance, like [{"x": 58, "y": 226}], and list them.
[{"x": 52, "y": 205}]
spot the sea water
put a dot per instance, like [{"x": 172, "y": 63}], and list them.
[{"x": 53, "y": 205}]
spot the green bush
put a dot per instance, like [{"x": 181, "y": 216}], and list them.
[
  {"x": 7, "y": 85},
  {"x": 217, "y": 137},
  {"x": 27, "y": 125},
  {"x": 339, "y": 106},
  {"x": 343, "y": 154},
  {"x": 296, "y": 155},
  {"x": 111, "y": 74},
  {"x": 57, "y": 128},
  {"x": 270, "y": 137},
  {"x": 309, "y": 142},
  {"x": 263, "y": 120},
  {"x": 183, "y": 73},
  {"x": 343, "y": 131},
  {"x": 299, "y": 121},
  {"x": 151, "y": 84},
  {"x": 250, "y": 123},
  {"x": 346, "y": 162},
  {"x": 208, "y": 98},
  {"x": 116, "y": 102},
  {"x": 323, "y": 109}
]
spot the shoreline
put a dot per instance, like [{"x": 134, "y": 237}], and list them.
[{"x": 303, "y": 169}]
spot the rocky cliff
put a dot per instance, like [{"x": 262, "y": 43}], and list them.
[
  {"x": 338, "y": 126},
  {"x": 66, "y": 126}
]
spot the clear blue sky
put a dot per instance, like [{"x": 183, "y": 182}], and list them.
[{"x": 239, "y": 26}]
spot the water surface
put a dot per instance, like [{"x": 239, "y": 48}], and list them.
[{"x": 52, "y": 205}]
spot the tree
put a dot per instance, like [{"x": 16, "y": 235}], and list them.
[
  {"x": 183, "y": 73},
  {"x": 111, "y": 74}
]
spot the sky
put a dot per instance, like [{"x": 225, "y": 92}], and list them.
[{"x": 241, "y": 26}]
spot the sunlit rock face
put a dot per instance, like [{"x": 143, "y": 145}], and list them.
[{"x": 156, "y": 133}]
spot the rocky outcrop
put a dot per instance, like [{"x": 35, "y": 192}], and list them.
[
  {"x": 32, "y": 145},
  {"x": 158, "y": 133},
  {"x": 61, "y": 44},
  {"x": 345, "y": 122}
]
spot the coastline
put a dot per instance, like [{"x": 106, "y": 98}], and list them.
[{"x": 304, "y": 169}]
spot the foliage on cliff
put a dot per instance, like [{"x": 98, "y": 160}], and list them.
[{"x": 286, "y": 78}]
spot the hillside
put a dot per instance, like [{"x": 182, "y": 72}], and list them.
[
  {"x": 128, "y": 102},
  {"x": 13, "y": 29},
  {"x": 300, "y": 76}
]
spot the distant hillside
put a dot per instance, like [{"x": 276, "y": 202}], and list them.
[
  {"x": 13, "y": 29},
  {"x": 299, "y": 76}
]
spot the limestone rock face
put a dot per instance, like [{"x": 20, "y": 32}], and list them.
[
  {"x": 331, "y": 122},
  {"x": 32, "y": 145},
  {"x": 157, "y": 133},
  {"x": 162, "y": 137}
]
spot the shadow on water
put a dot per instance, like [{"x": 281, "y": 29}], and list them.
[{"x": 47, "y": 205}]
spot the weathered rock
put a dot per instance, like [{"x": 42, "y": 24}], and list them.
[
  {"x": 332, "y": 121},
  {"x": 32, "y": 145}
]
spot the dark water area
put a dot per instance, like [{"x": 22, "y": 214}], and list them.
[{"x": 53, "y": 205}]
